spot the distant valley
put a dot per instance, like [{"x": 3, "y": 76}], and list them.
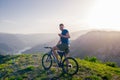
[{"x": 13, "y": 43}]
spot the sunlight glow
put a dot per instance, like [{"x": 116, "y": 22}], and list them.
[{"x": 105, "y": 15}]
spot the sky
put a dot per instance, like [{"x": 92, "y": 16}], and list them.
[{"x": 44, "y": 16}]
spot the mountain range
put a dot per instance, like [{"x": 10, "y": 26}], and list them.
[
  {"x": 29, "y": 43},
  {"x": 105, "y": 45}
]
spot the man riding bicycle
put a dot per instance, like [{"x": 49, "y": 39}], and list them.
[
  {"x": 63, "y": 43},
  {"x": 68, "y": 64}
]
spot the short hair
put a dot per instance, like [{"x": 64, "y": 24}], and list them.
[{"x": 61, "y": 24}]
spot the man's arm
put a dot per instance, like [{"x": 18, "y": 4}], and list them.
[{"x": 65, "y": 36}]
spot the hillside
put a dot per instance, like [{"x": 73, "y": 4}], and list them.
[
  {"x": 102, "y": 44},
  {"x": 28, "y": 67},
  {"x": 11, "y": 41},
  {"x": 4, "y": 49}
]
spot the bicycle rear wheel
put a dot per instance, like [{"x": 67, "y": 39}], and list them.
[
  {"x": 46, "y": 61},
  {"x": 70, "y": 66}
]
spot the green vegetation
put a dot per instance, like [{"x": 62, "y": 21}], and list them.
[
  {"x": 112, "y": 64},
  {"x": 91, "y": 59},
  {"x": 28, "y": 67}
]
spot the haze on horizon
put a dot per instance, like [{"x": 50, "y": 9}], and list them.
[{"x": 44, "y": 16}]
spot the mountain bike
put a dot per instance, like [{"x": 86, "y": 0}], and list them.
[{"x": 68, "y": 64}]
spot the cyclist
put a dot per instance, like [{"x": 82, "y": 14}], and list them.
[{"x": 63, "y": 43}]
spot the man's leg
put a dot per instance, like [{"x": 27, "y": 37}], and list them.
[
  {"x": 55, "y": 53},
  {"x": 66, "y": 51},
  {"x": 67, "y": 55}
]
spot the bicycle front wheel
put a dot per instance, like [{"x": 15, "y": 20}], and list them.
[
  {"x": 46, "y": 61},
  {"x": 70, "y": 66}
]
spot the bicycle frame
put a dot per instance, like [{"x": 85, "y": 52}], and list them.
[{"x": 60, "y": 53}]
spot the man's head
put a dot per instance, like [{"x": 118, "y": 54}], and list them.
[{"x": 61, "y": 26}]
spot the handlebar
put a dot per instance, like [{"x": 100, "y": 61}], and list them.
[{"x": 48, "y": 47}]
